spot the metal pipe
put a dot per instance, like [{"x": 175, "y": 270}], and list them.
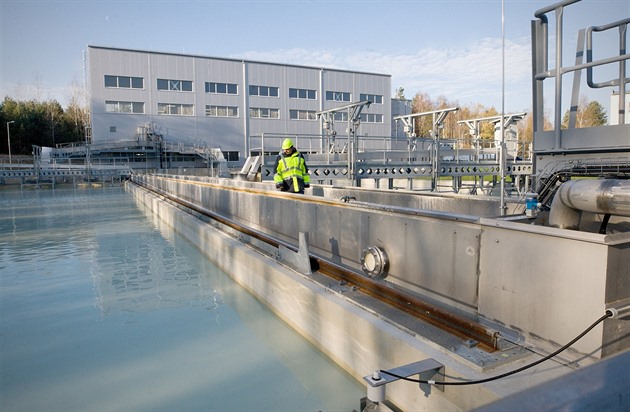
[
  {"x": 538, "y": 66},
  {"x": 558, "y": 90},
  {"x": 608, "y": 196},
  {"x": 540, "y": 14},
  {"x": 622, "y": 73},
  {"x": 614, "y": 59}
]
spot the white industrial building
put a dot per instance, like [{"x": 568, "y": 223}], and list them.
[
  {"x": 614, "y": 108},
  {"x": 221, "y": 102}
]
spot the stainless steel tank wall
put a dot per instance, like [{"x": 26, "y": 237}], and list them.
[
  {"x": 435, "y": 257},
  {"x": 443, "y": 202},
  {"x": 549, "y": 284},
  {"x": 545, "y": 284},
  {"x": 360, "y": 341}
]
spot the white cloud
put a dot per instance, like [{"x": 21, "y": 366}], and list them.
[{"x": 470, "y": 74}]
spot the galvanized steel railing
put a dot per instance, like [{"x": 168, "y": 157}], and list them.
[{"x": 541, "y": 70}]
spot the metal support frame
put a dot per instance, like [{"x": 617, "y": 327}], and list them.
[
  {"x": 473, "y": 124},
  {"x": 425, "y": 370},
  {"x": 508, "y": 120},
  {"x": 299, "y": 260},
  {"x": 438, "y": 117},
  {"x": 354, "y": 121},
  {"x": 577, "y": 78}
]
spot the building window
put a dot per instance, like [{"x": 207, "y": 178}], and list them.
[
  {"x": 174, "y": 85},
  {"x": 302, "y": 115},
  {"x": 267, "y": 91},
  {"x": 371, "y": 118},
  {"x": 341, "y": 116},
  {"x": 302, "y": 94},
  {"x": 221, "y": 111},
  {"x": 112, "y": 129},
  {"x": 176, "y": 109},
  {"x": 124, "y": 82},
  {"x": 221, "y": 88},
  {"x": 231, "y": 156},
  {"x": 374, "y": 98},
  {"x": 124, "y": 107},
  {"x": 264, "y": 113},
  {"x": 337, "y": 96}
]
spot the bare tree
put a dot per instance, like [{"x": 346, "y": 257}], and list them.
[
  {"x": 76, "y": 112},
  {"x": 37, "y": 87},
  {"x": 422, "y": 103}
]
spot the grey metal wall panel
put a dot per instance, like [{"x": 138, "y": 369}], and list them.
[
  {"x": 226, "y": 133},
  {"x": 167, "y": 66},
  {"x": 302, "y": 77}
]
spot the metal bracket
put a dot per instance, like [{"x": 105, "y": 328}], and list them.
[
  {"x": 299, "y": 260},
  {"x": 425, "y": 370}
]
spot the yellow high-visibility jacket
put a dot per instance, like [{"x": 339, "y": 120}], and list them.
[{"x": 291, "y": 173}]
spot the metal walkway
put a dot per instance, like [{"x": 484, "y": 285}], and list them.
[
  {"x": 355, "y": 157},
  {"x": 36, "y": 174}
]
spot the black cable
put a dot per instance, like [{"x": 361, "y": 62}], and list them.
[
  {"x": 602, "y": 227},
  {"x": 493, "y": 378}
]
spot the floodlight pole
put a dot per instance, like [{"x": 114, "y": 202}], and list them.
[
  {"x": 9, "y": 142},
  {"x": 502, "y": 153}
]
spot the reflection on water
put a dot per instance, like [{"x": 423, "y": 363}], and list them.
[{"x": 105, "y": 308}]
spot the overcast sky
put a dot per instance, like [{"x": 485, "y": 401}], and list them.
[{"x": 450, "y": 48}]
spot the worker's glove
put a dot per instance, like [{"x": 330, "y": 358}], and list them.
[{"x": 279, "y": 186}]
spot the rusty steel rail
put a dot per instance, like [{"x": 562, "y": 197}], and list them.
[{"x": 412, "y": 305}]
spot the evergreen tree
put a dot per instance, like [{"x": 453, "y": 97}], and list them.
[
  {"x": 595, "y": 114},
  {"x": 400, "y": 93},
  {"x": 39, "y": 123},
  {"x": 588, "y": 114}
]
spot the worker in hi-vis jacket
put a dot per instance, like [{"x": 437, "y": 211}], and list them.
[{"x": 291, "y": 170}]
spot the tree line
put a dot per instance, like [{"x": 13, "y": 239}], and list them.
[
  {"x": 48, "y": 124},
  {"x": 40, "y": 123},
  {"x": 589, "y": 113}
]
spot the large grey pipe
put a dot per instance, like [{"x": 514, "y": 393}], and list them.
[{"x": 607, "y": 196}]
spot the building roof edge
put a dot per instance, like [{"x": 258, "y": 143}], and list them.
[{"x": 237, "y": 60}]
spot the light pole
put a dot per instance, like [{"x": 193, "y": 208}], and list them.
[{"x": 9, "y": 141}]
